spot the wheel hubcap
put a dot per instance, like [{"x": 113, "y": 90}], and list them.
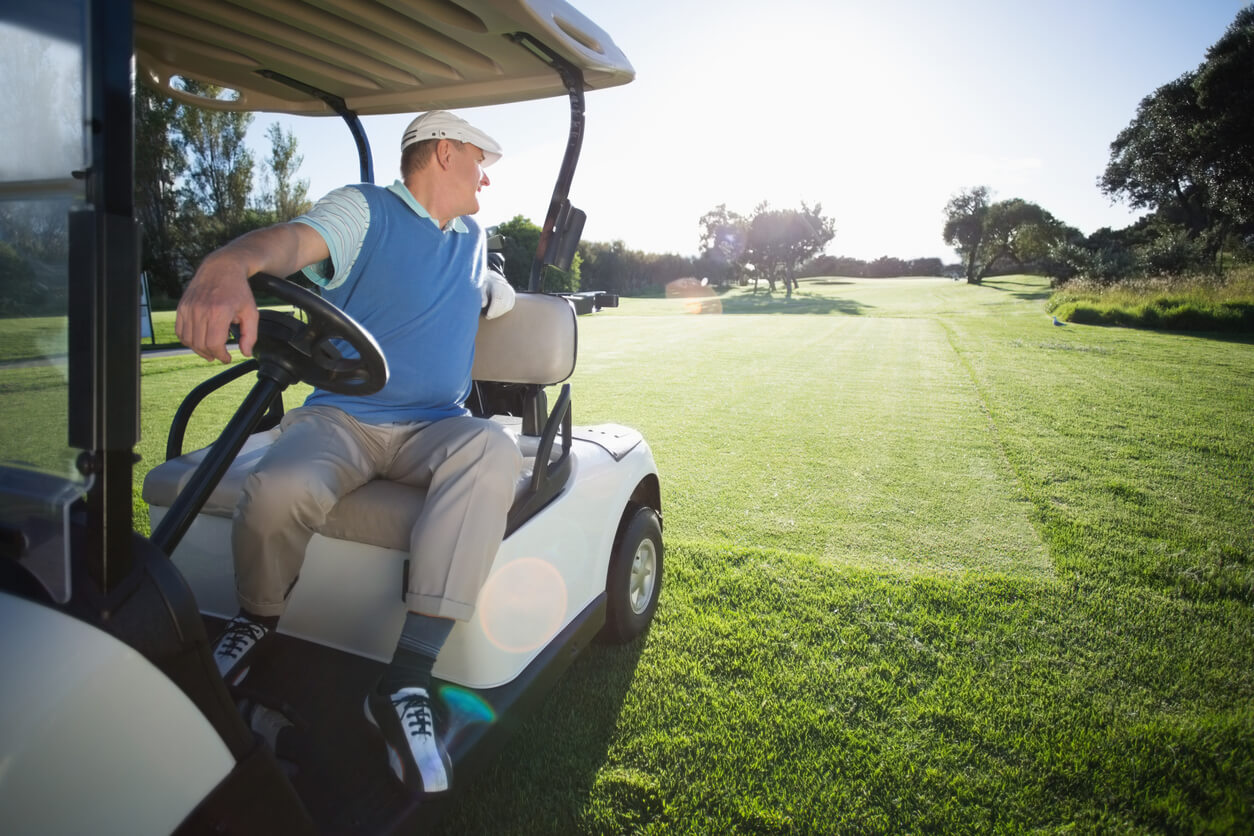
[{"x": 643, "y": 576}]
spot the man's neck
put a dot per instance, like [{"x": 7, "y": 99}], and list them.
[{"x": 427, "y": 194}]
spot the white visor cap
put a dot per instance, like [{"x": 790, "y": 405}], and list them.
[{"x": 440, "y": 124}]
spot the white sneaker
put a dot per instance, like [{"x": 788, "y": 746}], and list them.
[
  {"x": 415, "y": 752},
  {"x": 236, "y": 648}
]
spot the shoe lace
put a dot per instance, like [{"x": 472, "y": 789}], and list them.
[
  {"x": 415, "y": 713},
  {"x": 239, "y": 635}
]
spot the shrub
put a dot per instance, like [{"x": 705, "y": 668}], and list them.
[{"x": 1179, "y": 304}]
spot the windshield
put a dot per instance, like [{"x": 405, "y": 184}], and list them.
[{"x": 42, "y": 115}]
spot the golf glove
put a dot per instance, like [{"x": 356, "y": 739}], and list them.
[{"x": 498, "y": 294}]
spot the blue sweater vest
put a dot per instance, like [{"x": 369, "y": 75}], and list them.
[{"x": 417, "y": 290}]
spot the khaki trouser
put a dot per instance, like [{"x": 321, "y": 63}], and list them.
[{"x": 469, "y": 467}]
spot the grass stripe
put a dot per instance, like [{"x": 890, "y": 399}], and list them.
[{"x": 869, "y": 444}]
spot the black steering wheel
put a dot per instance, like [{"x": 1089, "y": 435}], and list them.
[{"x": 287, "y": 347}]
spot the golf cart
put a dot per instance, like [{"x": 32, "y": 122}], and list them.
[{"x": 114, "y": 717}]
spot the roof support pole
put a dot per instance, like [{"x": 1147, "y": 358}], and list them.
[{"x": 559, "y": 205}]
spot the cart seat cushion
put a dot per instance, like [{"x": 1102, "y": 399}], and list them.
[
  {"x": 380, "y": 512},
  {"x": 167, "y": 480}
]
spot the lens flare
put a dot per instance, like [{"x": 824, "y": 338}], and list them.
[
  {"x": 698, "y": 296},
  {"x": 466, "y": 706},
  {"x": 522, "y": 606}
]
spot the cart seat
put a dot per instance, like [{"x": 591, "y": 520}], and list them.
[{"x": 531, "y": 347}]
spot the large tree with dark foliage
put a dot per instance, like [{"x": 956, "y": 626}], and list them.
[
  {"x": 1008, "y": 233},
  {"x": 1225, "y": 96},
  {"x": 964, "y": 227},
  {"x": 1188, "y": 153}
]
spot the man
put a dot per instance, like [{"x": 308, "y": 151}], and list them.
[{"x": 410, "y": 265}]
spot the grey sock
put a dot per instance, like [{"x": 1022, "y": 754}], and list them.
[{"x": 416, "y": 652}]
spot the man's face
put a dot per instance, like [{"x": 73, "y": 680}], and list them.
[{"x": 469, "y": 176}]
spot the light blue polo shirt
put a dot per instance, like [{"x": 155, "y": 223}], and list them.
[
  {"x": 415, "y": 287},
  {"x": 342, "y": 218}
]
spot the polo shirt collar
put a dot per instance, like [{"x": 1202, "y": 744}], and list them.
[{"x": 398, "y": 189}]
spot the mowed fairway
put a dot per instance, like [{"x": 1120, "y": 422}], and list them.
[
  {"x": 862, "y": 440},
  {"x": 934, "y": 565}
]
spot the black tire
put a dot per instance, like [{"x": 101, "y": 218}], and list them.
[{"x": 634, "y": 581}]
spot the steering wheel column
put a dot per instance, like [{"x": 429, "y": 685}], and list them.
[{"x": 287, "y": 350}]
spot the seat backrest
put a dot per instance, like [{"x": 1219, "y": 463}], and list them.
[{"x": 534, "y": 343}]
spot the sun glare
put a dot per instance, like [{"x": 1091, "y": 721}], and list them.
[{"x": 522, "y": 606}]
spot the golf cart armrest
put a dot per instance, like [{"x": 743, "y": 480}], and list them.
[{"x": 548, "y": 477}]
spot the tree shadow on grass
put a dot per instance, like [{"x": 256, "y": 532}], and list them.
[
  {"x": 550, "y": 766},
  {"x": 1020, "y": 287},
  {"x": 1222, "y": 332},
  {"x": 800, "y": 303}
]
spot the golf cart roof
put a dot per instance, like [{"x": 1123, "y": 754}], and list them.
[{"x": 376, "y": 56}]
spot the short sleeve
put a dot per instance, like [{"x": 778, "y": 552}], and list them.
[{"x": 341, "y": 218}]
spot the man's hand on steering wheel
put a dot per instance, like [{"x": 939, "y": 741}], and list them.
[
  {"x": 218, "y": 297},
  {"x": 219, "y": 294}
]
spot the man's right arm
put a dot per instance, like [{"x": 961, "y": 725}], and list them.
[{"x": 219, "y": 295}]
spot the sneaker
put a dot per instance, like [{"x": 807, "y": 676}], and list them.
[
  {"x": 265, "y": 722},
  {"x": 236, "y": 648},
  {"x": 415, "y": 751}
]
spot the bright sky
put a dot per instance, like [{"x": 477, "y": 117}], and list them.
[{"x": 880, "y": 110}]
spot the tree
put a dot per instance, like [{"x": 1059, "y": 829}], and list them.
[
  {"x": 615, "y": 268},
  {"x": 833, "y": 265},
  {"x": 290, "y": 196},
  {"x": 723, "y": 241},
  {"x": 1018, "y": 232},
  {"x": 219, "y": 172},
  {"x": 522, "y": 239},
  {"x": 194, "y": 179},
  {"x": 159, "y": 164},
  {"x": 1160, "y": 160},
  {"x": 1188, "y": 153},
  {"x": 34, "y": 246},
  {"x": 964, "y": 226},
  {"x": 1013, "y": 233},
  {"x": 925, "y": 267},
  {"x": 1225, "y": 96},
  {"x": 886, "y": 267},
  {"x": 779, "y": 240}
]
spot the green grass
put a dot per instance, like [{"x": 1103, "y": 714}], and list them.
[
  {"x": 934, "y": 565},
  {"x": 1176, "y": 304},
  {"x": 30, "y": 338}
]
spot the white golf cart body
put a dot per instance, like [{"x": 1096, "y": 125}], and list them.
[
  {"x": 115, "y": 720},
  {"x": 547, "y": 572}
]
